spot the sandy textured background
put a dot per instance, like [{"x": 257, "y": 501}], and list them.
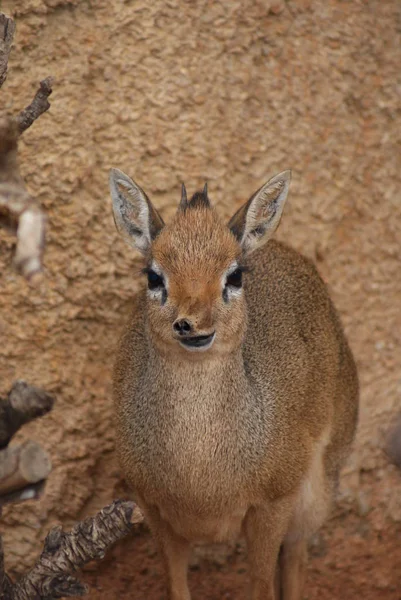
[{"x": 226, "y": 92}]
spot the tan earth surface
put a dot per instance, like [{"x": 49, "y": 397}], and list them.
[{"x": 228, "y": 92}]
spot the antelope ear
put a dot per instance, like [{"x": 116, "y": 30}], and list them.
[
  {"x": 256, "y": 221},
  {"x": 134, "y": 215}
]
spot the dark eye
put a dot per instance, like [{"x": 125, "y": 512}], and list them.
[
  {"x": 235, "y": 278},
  {"x": 154, "y": 280}
]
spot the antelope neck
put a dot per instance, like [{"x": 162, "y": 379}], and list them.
[{"x": 213, "y": 376}]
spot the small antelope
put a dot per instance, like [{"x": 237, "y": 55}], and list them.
[{"x": 235, "y": 389}]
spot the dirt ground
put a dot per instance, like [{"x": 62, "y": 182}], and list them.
[
  {"x": 346, "y": 567},
  {"x": 232, "y": 93}
]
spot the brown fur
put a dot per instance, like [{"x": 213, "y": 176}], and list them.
[{"x": 249, "y": 435}]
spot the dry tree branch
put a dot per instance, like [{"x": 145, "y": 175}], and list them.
[
  {"x": 7, "y": 30},
  {"x": 24, "y": 404},
  {"x": 64, "y": 553},
  {"x": 18, "y": 210},
  {"x": 22, "y": 466},
  {"x": 37, "y": 107}
]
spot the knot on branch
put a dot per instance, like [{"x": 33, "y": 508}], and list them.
[
  {"x": 60, "y": 586},
  {"x": 53, "y": 540}
]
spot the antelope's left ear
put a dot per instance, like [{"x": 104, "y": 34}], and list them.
[
  {"x": 134, "y": 215},
  {"x": 256, "y": 221}
]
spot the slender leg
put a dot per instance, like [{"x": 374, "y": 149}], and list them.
[
  {"x": 176, "y": 555},
  {"x": 175, "y": 552},
  {"x": 265, "y": 529},
  {"x": 277, "y": 580},
  {"x": 293, "y": 569}
]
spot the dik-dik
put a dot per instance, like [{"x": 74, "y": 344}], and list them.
[{"x": 235, "y": 389}]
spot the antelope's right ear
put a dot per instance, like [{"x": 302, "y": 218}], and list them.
[{"x": 134, "y": 215}]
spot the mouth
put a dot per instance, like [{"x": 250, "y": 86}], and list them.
[{"x": 198, "y": 342}]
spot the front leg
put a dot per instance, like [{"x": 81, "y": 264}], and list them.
[
  {"x": 293, "y": 561},
  {"x": 265, "y": 528},
  {"x": 175, "y": 553}
]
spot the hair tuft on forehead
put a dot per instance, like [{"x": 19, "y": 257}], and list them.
[{"x": 198, "y": 200}]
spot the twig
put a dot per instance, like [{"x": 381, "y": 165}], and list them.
[
  {"x": 7, "y": 30},
  {"x": 37, "y": 107},
  {"x": 64, "y": 553},
  {"x": 24, "y": 404}
]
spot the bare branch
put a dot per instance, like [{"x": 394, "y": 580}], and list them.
[
  {"x": 21, "y": 466},
  {"x": 24, "y": 404},
  {"x": 64, "y": 553},
  {"x": 37, "y": 107},
  {"x": 7, "y": 30},
  {"x": 18, "y": 210}
]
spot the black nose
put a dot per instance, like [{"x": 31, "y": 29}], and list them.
[{"x": 182, "y": 327}]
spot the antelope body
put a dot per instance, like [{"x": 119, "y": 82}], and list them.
[{"x": 236, "y": 392}]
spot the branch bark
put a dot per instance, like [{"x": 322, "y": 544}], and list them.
[
  {"x": 24, "y": 404},
  {"x": 18, "y": 210},
  {"x": 7, "y": 30},
  {"x": 21, "y": 466},
  {"x": 37, "y": 107},
  {"x": 64, "y": 553}
]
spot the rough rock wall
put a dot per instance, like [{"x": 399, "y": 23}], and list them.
[{"x": 226, "y": 92}]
